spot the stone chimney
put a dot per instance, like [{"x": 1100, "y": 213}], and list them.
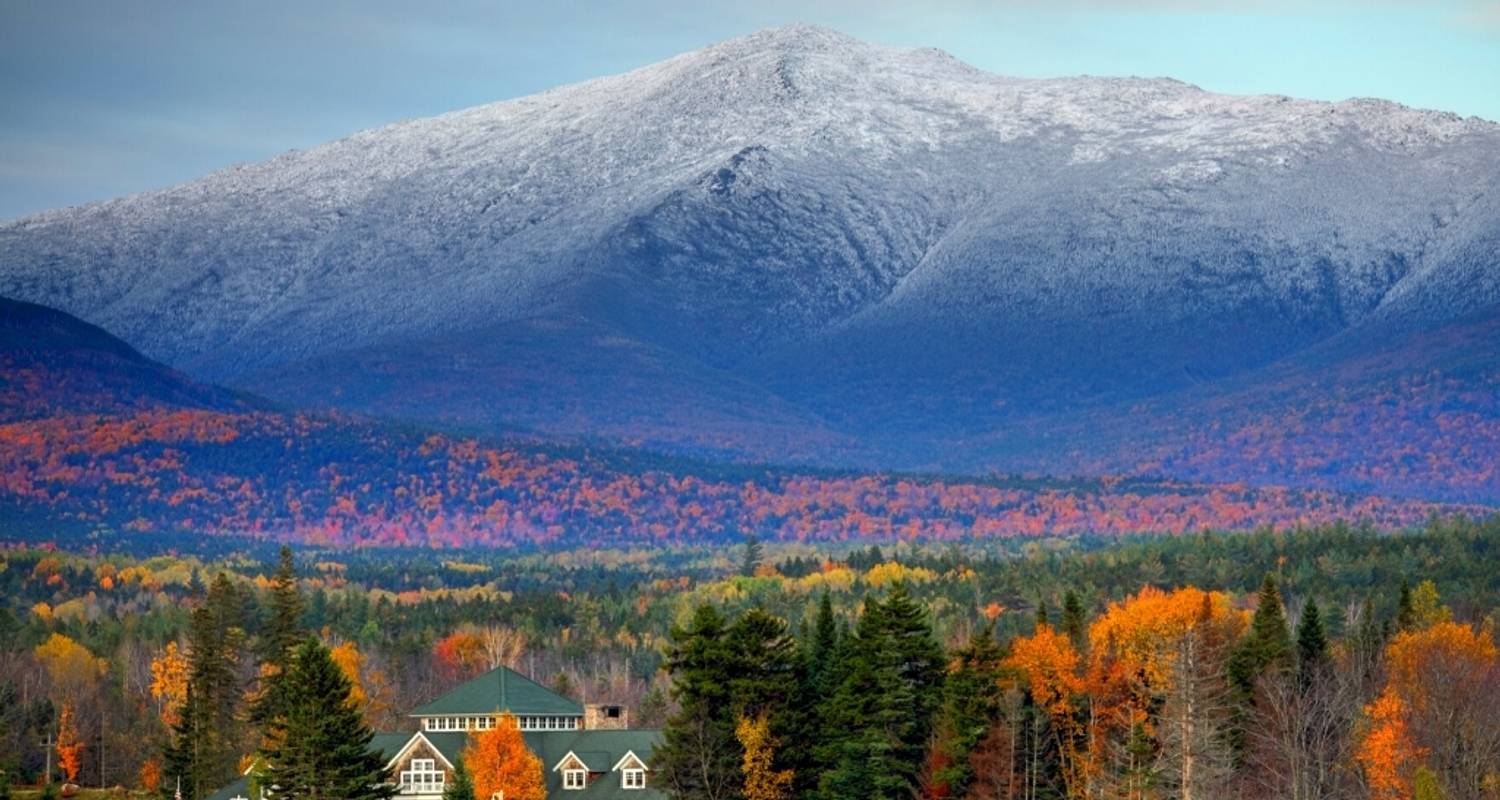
[{"x": 605, "y": 717}]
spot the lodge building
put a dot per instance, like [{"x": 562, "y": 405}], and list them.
[{"x": 587, "y": 752}]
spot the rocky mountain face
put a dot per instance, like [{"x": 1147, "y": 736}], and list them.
[{"x": 796, "y": 246}]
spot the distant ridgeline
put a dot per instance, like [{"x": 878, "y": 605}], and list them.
[{"x": 95, "y": 436}]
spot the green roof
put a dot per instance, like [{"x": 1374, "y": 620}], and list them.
[
  {"x": 601, "y": 751},
  {"x": 389, "y": 744},
  {"x": 240, "y": 788},
  {"x": 500, "y": 689}
]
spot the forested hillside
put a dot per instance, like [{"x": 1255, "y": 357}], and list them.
[
  {"x": 330, "y": 479},
  {"x": 1041, "y": 668}
]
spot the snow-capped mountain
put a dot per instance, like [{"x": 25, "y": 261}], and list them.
[{"x": 794, "y": 233}]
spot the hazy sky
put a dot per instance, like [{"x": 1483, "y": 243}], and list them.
[{"x": 99, "y": 99}]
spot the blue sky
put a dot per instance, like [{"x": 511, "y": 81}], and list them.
[{"x": 99, "y": 99}]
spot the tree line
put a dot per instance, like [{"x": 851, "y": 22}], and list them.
[{"x": 1179, "y": 693}]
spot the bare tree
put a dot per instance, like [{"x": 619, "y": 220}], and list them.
[
  {"x": 1302, "y": 736},
  {"x": 502, "y": 646},
  {"x": 1195, "y": 760}
]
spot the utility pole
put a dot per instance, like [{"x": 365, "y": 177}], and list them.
[{"x": 48, "y": 745}]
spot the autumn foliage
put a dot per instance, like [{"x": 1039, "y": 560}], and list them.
[
  {"x": 499, "y": 761},
  {"x": 332, "y": 480},
  {"x": 69, "y": 743}
]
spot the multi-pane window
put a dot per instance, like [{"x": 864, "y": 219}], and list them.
[
  {"x": 575, "y": 778},
  {"x": 633, "y": 779},
  {"x": 422, "y": 776}
]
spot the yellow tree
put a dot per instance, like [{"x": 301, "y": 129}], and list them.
[
  {"x": 370, "y": 690},
  {"x": 70, "y": 665},
  {"x": 1441, "y": 698},
  {"x": 349, "y": 659},
  {"x": 761, "y": 781},
  {"x": 1051, "y": 666},
  {"x": 499, "y": 761},
  {"x": 169, "y": 674}
]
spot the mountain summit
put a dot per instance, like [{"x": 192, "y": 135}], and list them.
[{"x": 848, "y": 251}]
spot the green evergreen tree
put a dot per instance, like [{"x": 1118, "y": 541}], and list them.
[
  {"x": 753, "y": 554},
  {"x": 824, "y": 641},
  {"x": 1406, "y": 613},
  {"x": 881, "y": 718},
  {"x": 1312, "y": 645},
  {"x": 203, "y": 750},
  {"x": 766, "y": 677},
  {"x": 1043, "y": 616},
  {"x": 462, "y": 785},
  {"x": 281, "y": 633},
  {"x": 1266, "y": 648},
  {"x": 1074, "y": 620},
  {"x": 971, "y": 705},
  {"x": 318, "y": 746},
  {"x": 700, "y": 757}
]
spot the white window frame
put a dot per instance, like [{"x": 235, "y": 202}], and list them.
[
  {"x": 633, "y": 779},
  {"x": 574, "y": 779},
  {"x": 422, "y": 776}
]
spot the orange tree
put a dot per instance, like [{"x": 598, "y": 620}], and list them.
[{"x": 499, "y": 761}]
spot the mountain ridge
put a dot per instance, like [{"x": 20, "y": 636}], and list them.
[{"x": 865, "y": 248}]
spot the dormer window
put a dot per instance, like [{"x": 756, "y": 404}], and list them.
[
  {"x": 575, "y": 778},
  {"x": 422, "y": 777},
  {"x": 633, "y": 779}
]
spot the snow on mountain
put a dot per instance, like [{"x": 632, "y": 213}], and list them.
[{"x": 880, "y": 242}]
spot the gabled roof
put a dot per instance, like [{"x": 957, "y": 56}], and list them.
[
  {"x": 500, "y": 689},
  {"x": 240, "y": 788},
  {"x": 388, "y": 745},
  {"x": 601, "y": 751}
]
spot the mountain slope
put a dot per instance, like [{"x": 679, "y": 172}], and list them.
[
  {"x": 834, "y": 251},
  {"x": 123, "y": 444},
  {"x": 52, "y": 362}
]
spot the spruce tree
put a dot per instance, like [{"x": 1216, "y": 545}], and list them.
[
  {"x": 280, "y": 636},
  {"x": 1406, "y": 612},
  {"x": 971, "y": 705},
  {"x": 881, "y": 719},
  {"x": 700, "y": 757},
  {"x": 752, "y": 557},
  {"x": 1266, "y": 648},
  {"x": 1073, "y": 620},
  {"x": 1043, "y": 617},
  {"x": 462, "y": 785},
  {"x": 318, "y": 746},
  {"x": 1312, "y": 645},
  {"x": 205, "y": 741},
  {"x": 820, "y": 650}
]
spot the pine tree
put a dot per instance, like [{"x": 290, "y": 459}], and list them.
[
  {"x": 1073, "y": 620},
  {"x": 281, "y": 634},
  {"x": 462, "y": 785},
  {"x": 971, "y": 706},
  {"x": 881, "y": 719},
  {"x": 1312, "y": 645},
  {"x": 752, "y": 557},
  {"x": 700, "y": 758},
  {"x": 1406, "y": 614},
  {"x": 204, "y": 744},
  {"x": 319, "y": 745},
  {"x": 1043, "y": 616},
  {"x": 1267, "y": 648}
]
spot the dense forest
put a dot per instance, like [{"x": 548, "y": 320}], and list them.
[
  {"x": 329, "y": 480},
  {"x": 1332, "y": 661}
]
